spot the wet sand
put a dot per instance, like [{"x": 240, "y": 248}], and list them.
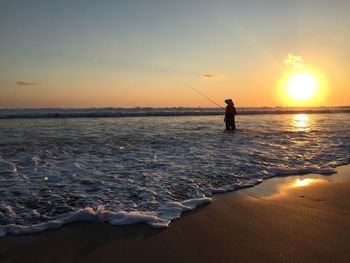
[{"x": 292, "y": 219}]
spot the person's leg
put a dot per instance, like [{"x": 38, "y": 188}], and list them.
[
  {"x": 233, "y": 123},
  {"x": 227, "y": 124}
]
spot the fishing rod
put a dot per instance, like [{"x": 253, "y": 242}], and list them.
[{"x": 200, "y": 93}]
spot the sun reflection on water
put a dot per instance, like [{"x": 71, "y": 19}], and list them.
[
  {"x": 289, "y": 184},
  {"x": 301, "y": 122},
  {"x": 278, "y": 187},
  {"x": 303, "y": 182}
]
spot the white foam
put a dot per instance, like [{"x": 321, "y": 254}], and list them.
[
  {"x": 217, "y": 190},
  {"x": 173, "y": 210},
  {"x": 167, "y": 213}
]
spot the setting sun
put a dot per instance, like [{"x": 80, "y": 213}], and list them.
[{"x": 302, "y": 86}]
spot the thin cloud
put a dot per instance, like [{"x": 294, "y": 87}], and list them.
[
  {"x": 293, "y": 61},
  {"x": 27, "y": 82},
  {"x": 212, "y": 76}
]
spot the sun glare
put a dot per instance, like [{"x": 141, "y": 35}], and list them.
[
  {"x": 303, "y": 182},
  {"x": 307, "y": 182},
  {"x": 301, "y": 122},
  {"x": 302, "y": 86}
]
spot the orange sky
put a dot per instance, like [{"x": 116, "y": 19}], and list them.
[{"x": 127, "y": 55}]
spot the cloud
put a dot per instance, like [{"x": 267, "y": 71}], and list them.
[
  {"x": 293, "y": 61},
  {"x": 27, "y": 82},
  {"x": 211, "y": 76}
]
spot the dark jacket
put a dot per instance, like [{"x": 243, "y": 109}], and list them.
[{"x": 230, "y": 112}]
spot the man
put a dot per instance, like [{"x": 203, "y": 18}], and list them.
[{"x": 230, "y": 115}]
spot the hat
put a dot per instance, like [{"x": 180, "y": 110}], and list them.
[{"x": 229, "y": 101}]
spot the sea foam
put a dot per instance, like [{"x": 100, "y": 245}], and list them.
[{"x": 166, "y": 213}]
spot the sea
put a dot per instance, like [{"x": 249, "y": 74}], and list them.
[{"x": 125, "y": 166}]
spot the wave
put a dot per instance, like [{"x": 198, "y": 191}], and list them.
[
  {"x": 162, "y": 217},
  {"x": 166, "y": 214},
  {"x": 156, "y": 112}
]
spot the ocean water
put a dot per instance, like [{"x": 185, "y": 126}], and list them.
[{"x": 150, "y": 168}]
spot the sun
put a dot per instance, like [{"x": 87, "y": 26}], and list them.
[{"x": 302, "y": 86}]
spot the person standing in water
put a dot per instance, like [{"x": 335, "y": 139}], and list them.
[{"x": 230, "y": 115}]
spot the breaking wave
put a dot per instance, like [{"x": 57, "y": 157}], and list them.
[{"x": 149, "y": 112}]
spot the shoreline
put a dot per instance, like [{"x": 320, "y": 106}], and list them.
[{"x": 276, "y": 221}]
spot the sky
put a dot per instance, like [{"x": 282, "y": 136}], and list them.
[{"x": 145, "y": 53}]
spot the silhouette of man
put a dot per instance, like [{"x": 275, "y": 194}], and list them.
[{"x": 230, "y": 115}]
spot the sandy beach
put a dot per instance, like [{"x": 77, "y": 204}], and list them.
[{"x": 291, "y": 219}]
